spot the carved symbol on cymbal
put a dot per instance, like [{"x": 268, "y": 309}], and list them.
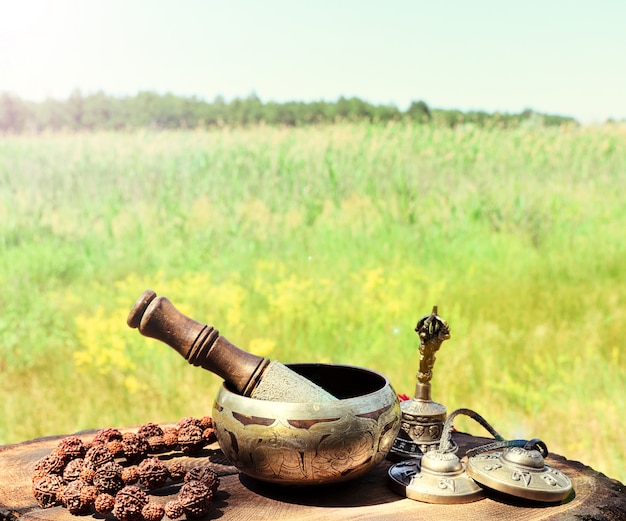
[
  {"x": 521, "y": 475},
  {"x": 447, "y": 483}
]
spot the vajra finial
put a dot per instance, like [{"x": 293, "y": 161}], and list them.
[{"x": 432, "y": 330}]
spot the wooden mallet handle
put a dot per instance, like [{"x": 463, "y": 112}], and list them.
[{"x": 199, "y": 344}]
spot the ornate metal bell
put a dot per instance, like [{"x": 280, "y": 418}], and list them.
[{"x": 423, "y": 419}]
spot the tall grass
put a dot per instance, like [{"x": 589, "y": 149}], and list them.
[{"x": 320, "y": 244}]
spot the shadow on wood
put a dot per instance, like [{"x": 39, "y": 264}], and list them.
[{"x": 356, "y": 493}]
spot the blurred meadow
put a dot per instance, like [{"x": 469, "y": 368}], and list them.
[{"x": 322, "y": 243}]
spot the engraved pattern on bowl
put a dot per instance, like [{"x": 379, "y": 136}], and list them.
[{"x": 311, "y": 443}]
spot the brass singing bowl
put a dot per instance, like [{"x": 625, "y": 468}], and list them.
[{"x": 311, "y": 443}]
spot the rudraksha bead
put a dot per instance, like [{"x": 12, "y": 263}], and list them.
[
  {"x": 188, "y": 420},
  {"x": 177, "y": 471},
  {"x": 96, "y": 456},
  {"x": 129, "y": 503},
  {"x": 153, "y": 473},
  {"x": 174, "y": 509},
  {"x": 135, "y": 447},
  {"x": 52, "y": 463},
  {"x": 72, "y": 470},
  {"x": 104, "y": 436},
  {"x": 156, "y": 444},
  {"x": 206, "y": 422},
  {"x": 205, "y": 475},
  {"x": 70, "y": 447},
  {"x": 150, "y": 429},
  {"x": 108, "y": 478},
  {"x": 170, "y": 438},
  {"x": 104, "y": 503},
  {"x": 47, "y": 490},
  {"x": 130, "y": 475},
  {"x": 87, "y": 474},
  {"x": 116, "y": 447},
  {"x": 153, "y": 435},
  {"x": 190, "y": 439},
  {"x": 195, "y": 497},
  {"x": 153, "y": 512},
  {"x": 78, "y": 497},
  {"x": 209, "y": 435},
  {"x": 89, "y": 494}
]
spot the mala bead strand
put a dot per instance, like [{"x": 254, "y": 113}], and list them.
[{"x": 83, "y": 476}]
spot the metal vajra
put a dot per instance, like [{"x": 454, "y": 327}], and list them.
[{"x": 432, "y": 330}]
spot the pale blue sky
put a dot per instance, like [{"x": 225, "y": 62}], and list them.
[{"x": 562, "y": 57}]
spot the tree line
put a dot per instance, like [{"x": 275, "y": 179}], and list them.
[{"x": 100, "y": 111}]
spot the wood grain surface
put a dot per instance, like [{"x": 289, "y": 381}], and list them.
[{"x": 239, "y": 498}]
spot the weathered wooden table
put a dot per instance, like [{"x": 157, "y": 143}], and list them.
[{"x": 595, "y": 497}]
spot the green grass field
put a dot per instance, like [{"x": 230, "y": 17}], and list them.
[{"x": 320, "y": 244}]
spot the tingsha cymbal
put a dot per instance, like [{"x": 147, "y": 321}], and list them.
[
  {"x": 437, "y": 477},
  {"x": 520, "y": 472}
]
